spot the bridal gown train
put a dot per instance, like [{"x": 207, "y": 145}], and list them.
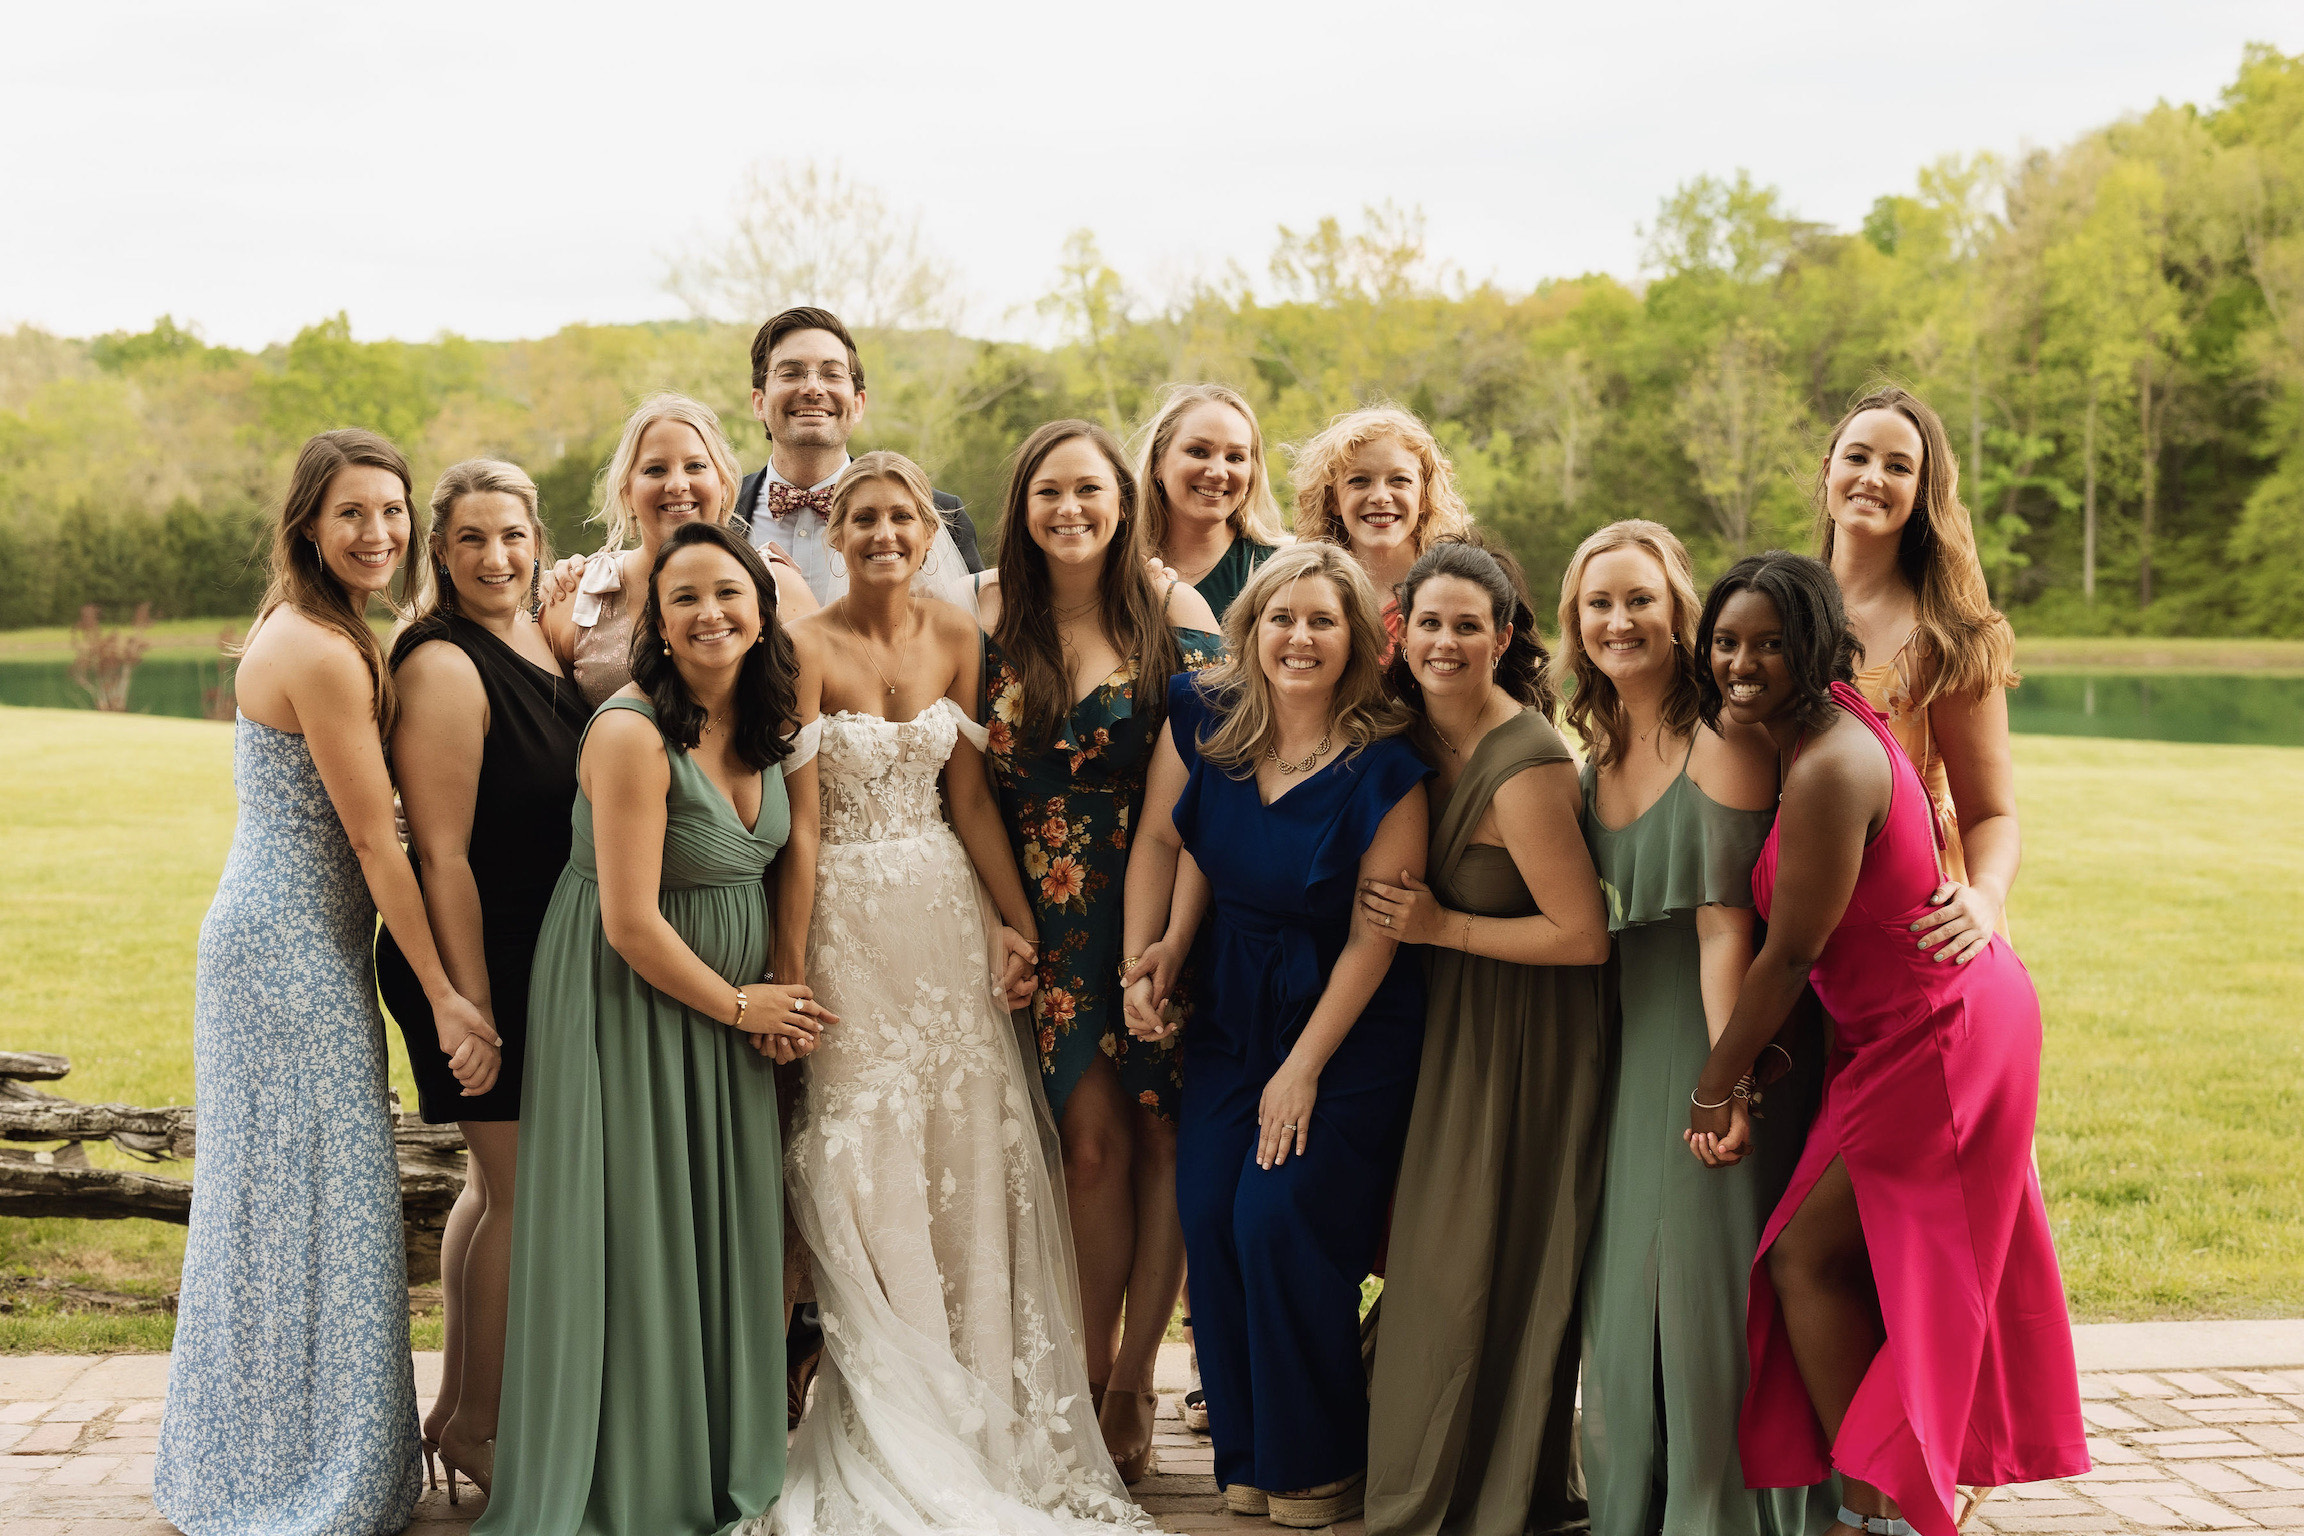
[{"x": 953, "y": 1396}]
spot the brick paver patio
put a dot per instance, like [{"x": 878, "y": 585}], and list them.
[{"x": 2194, "y": 1426}]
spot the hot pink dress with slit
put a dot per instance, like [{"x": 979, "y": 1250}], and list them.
[{"x": 1929, "y": 1100}]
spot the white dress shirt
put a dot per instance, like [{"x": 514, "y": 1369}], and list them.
[{"x": 800, "y": 534}]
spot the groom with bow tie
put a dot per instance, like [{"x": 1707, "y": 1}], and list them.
[{"x": 808, "y": 393}]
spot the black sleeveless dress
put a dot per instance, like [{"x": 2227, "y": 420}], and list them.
[{"x": 520, "y": 833}]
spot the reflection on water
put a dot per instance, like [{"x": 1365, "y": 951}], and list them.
[
  {"x": 2162, "y": 706},
  {"x": 161, "y": 686},
  {"x": 2151, "y": 706}
]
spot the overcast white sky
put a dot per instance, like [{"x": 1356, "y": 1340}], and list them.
[{"x": 501, "y": 170}]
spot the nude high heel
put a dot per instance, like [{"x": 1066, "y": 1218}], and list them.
[{"x": 1126, "y": 1419}]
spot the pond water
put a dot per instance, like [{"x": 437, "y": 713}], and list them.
[
  {"x": 2149, "y": 706},
  {"x": 2162, "y": 706},
  {"x": 161, "y": 686}
]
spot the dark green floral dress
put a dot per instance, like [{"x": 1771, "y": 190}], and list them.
[{"x": 1068, "y": 811}]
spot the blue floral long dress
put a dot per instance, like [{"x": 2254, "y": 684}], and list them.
[
  {"x": 1069, "y": 810},
  {"x": 291, "y": 1403}
]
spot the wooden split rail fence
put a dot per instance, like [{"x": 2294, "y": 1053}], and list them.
[{"x": 62, "y": 1182}]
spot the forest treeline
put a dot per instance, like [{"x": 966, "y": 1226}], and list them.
[{"x": 2113, "y": 331}]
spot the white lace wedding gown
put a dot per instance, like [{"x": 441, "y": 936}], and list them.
[{"x": 952, "y": 1397}]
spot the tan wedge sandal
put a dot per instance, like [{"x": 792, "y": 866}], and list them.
[{"x": 1308, "y": 1509}]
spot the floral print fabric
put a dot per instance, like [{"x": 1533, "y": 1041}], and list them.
[
  {"x": 291, "y": 1403},
  {"x": 1069, "y": 811}
]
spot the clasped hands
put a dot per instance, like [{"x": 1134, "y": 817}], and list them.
[{"x": 468, "y": 1037}]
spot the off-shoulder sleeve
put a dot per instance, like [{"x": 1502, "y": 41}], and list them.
[
  {"x": 804, "y": 743},
  {"x": 1704, "y": 859},
  {"x": 978, "y": 736},
  {"x": 1385, "y": 772}
]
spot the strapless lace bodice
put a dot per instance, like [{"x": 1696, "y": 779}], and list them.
[{"x": 879, "y": 777}]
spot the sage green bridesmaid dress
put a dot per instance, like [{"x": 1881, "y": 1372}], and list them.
[
  {"x": 1472, "y": 1411},
  {"x": 644, "y": 1367},
  {"x": 1671, "y": 1257}
]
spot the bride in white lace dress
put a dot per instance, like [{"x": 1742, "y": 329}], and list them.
[{"x": 952, "y": 1397}]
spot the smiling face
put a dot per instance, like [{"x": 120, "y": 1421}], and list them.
[
  {"x": 1207, "y": 469},
  {"x": 1380, "y": 497},
  {"x": 1452, "y": 643},
  {"x": 1074, "y": 503},
  {"x": 1624, "y": 615},
  {"x": 672, "y": 482},
  {"x": 1874, "y": 477},
  {"x": 362, "y": 528},
  {"x": 1303, "y": 643},
  {"x": 811, "y": 399},
  {"x": 490, "y": 552},
  {"x": 707, "y": 607},
  {"x": 1747, "y": 660},
  {"x": 883, "y": 535}
]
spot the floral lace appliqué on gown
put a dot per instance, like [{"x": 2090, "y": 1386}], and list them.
[{"x": 953, "y": 1397}]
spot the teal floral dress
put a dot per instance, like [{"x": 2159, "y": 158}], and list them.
[{"x": 1069, "y": 810}]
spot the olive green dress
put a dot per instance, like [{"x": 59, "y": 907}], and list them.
[
  {"x": 1472, "y": 1407},
  {"x": 1664, "y": 1352},
  {"x": 644, "y": 1365}
]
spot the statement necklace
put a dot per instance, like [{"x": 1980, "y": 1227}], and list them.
[{"x": 1319, "y": 752}]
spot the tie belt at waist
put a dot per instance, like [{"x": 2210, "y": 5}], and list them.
[{"x": 1290, "y": 976}]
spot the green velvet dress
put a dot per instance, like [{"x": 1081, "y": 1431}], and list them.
[
  {"x": 1671, "y": 1256},
  {"x": 644, "y": 1366}
]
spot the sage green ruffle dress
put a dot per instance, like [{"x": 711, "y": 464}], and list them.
[{"x": 1671, "y": 1256}]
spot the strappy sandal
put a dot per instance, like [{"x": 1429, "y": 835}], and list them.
[
  {"x": 1194, "y": 1411},
  {"x": 796, "y": 1384},
  {"x": 1876, "y": 1525}
]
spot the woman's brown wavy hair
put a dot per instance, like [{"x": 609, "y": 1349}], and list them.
[
  {"x": 1968, "y": 641},
  {"x": 300, "y": 580},
  {"x": 1132, "y": 609}
]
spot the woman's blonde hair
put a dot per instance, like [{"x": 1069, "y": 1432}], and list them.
[
  {"x": 615, "y": 508},
  {"x": 1594, "y": 710},
  {"x": 1240, "y": 695},
  {"x": 882, "y": 464},
  {"x": 1319, "y": 464},
  {"x": 1972, "y": 649},
  {"x": 1257, "y": 518},
  {"x": 435, "y": 593}
]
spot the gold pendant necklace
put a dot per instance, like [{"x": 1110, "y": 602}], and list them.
[{"x": 904, "y": 653}]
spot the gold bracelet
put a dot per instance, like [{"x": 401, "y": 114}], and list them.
[
  {"x": 1466, "y": 946},
  {"x": 1128, "y": 963},
  {"x": 742, "y": 1003}
]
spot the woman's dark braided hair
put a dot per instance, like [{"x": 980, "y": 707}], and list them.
[
  {"x": 767, "y": 686},
  {"x": 1521, "y": 671},
  {"x": 1819, "y": 649}
]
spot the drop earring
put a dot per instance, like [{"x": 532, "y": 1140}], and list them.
[{"x": 667, "y": 647}]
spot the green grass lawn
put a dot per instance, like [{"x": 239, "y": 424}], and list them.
[{"x": 2159, "y": 911}]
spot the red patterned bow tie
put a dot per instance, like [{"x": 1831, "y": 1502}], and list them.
[{"x": 783, "y": 498}]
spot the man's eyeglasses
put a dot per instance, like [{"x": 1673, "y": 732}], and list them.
[{"x": 830, "y": 375}]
